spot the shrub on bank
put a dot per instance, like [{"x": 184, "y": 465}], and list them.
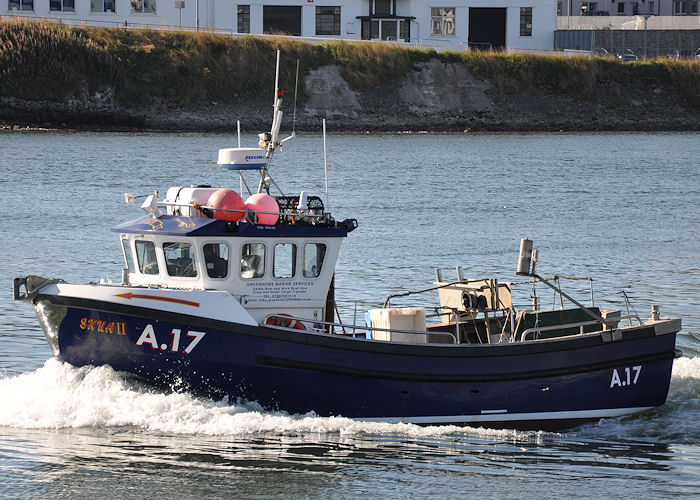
[{"x": 42, "y": 61}]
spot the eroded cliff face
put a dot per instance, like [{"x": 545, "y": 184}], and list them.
[
  {"x": 434, "y": 96},
  {"x": 447, "y": 97}
]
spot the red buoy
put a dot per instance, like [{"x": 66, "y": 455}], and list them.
[
  {"x": 230, "y": 200},
  {"x": 261, "y": 202}
]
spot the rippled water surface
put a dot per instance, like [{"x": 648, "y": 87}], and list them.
[{"x": 622, "y": 208}]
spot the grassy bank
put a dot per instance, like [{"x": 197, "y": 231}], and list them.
[{"x": 41, "y": 61}]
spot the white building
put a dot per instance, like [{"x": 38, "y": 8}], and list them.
[{"x": 509, "y": 24}]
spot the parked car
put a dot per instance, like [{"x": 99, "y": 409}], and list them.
[
  {"x": 697, "y": 53},
  {"x": 627, "y": 55},
  {"x": 596, "y": 13},
  {"x": 600, "y": 52}
]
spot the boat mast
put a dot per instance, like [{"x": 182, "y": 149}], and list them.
[{"x": 270, "y": 141}]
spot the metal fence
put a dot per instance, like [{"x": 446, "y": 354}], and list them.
[{"x": 676, "y": 44}]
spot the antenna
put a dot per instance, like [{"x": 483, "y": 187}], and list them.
[
  {"x": 277, "y": 81},
  {"x": 296, "y": 87},
  {"x": 325, "y": 165},
  {"x": 270, "y": 140}
]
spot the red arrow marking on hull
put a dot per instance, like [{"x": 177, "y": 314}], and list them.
[{"x": 130, "y": 296}]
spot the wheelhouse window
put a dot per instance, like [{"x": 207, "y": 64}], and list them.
[
  {"x": 179, "y": 260},
  {"x": 442, "y": 20},
  {"x": 62, "y": 5},
  {"x": 525, "y": 21},
  {"x": 313, "y": 259},
  {"x": 128, "y": 256},
  {"x": 21, "y": 5},
  {"x": 252, "y": 260},
  {"x": 102, "y": 6},
  {"x": 146, "y": 256},
  {"x": 328, "y": 20},
  {"x": 143, "y": 6},
  {"x": 243, "y": 25},
  {"x": 216, "y": 259},
  {"x": 284, "y": 260}
]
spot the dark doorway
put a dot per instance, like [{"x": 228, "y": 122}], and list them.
[
  {"x": 282, "y": 20},
  {"x": 487, "y": 29}
]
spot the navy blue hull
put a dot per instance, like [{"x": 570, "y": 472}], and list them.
[{"x": 543, "y": 384}]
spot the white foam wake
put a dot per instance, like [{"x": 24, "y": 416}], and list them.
[
  {"x": 684, "y": 368},
  {"x": 59, "y": 395}
]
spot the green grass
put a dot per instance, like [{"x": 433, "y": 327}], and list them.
[{"x": 42, "y": 61}]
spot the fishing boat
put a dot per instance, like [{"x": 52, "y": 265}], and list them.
[{"x": 234, "y": 298}]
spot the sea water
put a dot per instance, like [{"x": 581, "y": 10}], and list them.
[{"x": 622, "y": 208}]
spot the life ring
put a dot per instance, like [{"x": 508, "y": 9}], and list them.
[{"x": 285, "y": 322}]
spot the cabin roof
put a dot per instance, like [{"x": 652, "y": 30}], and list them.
[{"x": 174, "y": 225}]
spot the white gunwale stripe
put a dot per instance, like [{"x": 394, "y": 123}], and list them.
[{"x": 510, "y": 417}]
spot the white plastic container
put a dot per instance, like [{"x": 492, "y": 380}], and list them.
[
  {"x": 180, "y": 200},
  {"x": 398, "y": 318}
]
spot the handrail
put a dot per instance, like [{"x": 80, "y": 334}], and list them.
[
  {"x": 348, "y": 327},
  {"x": 557, "y": 327}
]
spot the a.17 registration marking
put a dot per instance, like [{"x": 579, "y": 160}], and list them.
[
  {"x": 630, "y": 374},
  {"x": 148, "y": 336}
]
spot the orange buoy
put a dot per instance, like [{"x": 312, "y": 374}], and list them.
[
  {"x": 261, "y": 202},
  {"x": 229, "y": 200}
]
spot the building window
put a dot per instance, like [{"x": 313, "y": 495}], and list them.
[
  {"x": 21, "y": 5},
  {"x": 374, "y": 29},
  {"x": 370, "y": 29},
  {"x": 62, "y": 5},
  {"x": 243, "y": 19},
  {"x": 143, "y": 6},
  {"x": 389, "y": 30},
  {"x": 328, "y": 20},
  {"x": 382, "y": 7},
  {"x": 621, "y": 8},
  {"x": 685, "y": 8},
  {"x": 652, "y": 7},
  {"x": 442, "y": 20},
  {"x": 405, "y": 30},
  {"x": 588, "y": 8},
  {"x": 102, "y": 6},
  {"x": 525, "y": 21}
]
